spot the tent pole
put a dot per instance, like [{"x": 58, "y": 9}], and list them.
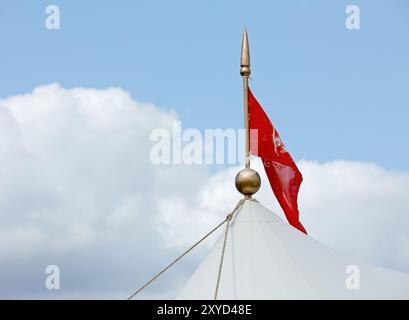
[
  {"x": 245, "y": 72},
  {"x": 247, "y": 180}
]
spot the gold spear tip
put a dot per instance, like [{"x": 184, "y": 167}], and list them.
[{"x": 245, "y": 55}]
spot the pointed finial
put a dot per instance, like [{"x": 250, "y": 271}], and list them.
[{"x": 245, "y": 56}]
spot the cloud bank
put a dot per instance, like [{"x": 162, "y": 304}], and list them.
[{"x": 78, "y": 190}]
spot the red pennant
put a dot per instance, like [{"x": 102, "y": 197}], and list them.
[{"x": 284, "y": 177}]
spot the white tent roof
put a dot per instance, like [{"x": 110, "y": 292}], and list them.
[{"x": 265, "y": 258}]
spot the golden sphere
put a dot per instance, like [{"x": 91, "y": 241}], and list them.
[{"x": 248, "y": 181}]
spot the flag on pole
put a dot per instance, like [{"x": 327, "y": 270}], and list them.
[{"x": 284, "y": 177}]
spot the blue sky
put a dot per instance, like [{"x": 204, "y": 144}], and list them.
[
  {"x": 332, "y": 93},
  {"x": 79, "y": 189}
]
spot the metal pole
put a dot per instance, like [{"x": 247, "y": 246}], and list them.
[{"x": 245, "y": 72}]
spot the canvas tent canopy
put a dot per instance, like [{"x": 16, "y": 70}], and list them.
[{"x": 265, "y": 258}]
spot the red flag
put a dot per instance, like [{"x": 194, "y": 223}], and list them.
[{"x": 284, "y": 176}]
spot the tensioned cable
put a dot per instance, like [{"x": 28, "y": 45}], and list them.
[
  {"x": 221, "y": 259},
  {"x": 227, "y": 219}
]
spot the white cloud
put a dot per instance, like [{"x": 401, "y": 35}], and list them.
[
  {"x": 359, "y": 208},
  {"x": 78, "y": 190}
]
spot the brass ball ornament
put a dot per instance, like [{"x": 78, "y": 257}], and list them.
[{"x": 248, "y": 181}]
